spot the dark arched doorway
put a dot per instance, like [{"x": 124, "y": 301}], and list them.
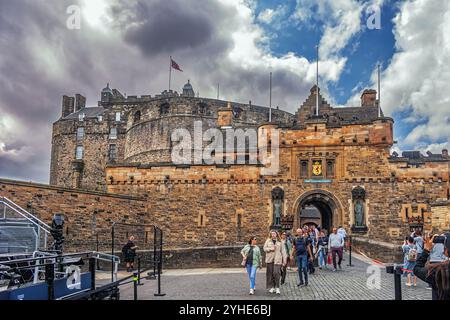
[{"x": 318, "y": 207}]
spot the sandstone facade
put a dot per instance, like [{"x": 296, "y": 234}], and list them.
[{"x": 337, "y": 160}]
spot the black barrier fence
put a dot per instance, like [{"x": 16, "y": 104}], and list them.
[
  {"x": 110, "y": 290},
  {"x": 350, "y": 245},
  {"x": 397, "y": 271},
  {"x": 149, "y": 253}
]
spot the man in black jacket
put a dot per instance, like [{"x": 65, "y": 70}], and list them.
[{"x": 437, "y": 275}]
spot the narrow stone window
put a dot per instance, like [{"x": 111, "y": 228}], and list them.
[
  {"x": 118, "y": 116},
  {"x": 113, "y": 133},
  {"x": 80, "y": 133},
  {"x": 202, "y": 108},
  {"x": 330, "y": 168},
  {"x": 137, "y": 116},
  {"x": 112, "y": 154},
  {"x": 304, "y": 169},
  {"x": 164, "y": 109},
  {"x": 201, "y": 219},
  {"x": 239, "y": 221},
  {"x": 79, "y": 153}
]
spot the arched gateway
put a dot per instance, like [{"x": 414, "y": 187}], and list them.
[{"x": 331, "y": 210}]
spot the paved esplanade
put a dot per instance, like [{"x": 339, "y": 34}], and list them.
[{"x": 350, "y": 283}]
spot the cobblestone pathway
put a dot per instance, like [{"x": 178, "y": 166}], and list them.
[{"x": 350, "y": 283}]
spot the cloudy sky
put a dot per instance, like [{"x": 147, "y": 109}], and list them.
[{"x": 232, "y": 42}]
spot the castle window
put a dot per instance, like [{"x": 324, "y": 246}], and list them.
[
  {"x": 137, "y": 116},
  {"x": 239, "y": 225},
  {"x": 202, "y": 108},
  {"x": 113, "y": 133},
  {"x": 100, "y": 118},
  {"x": 118, "y": 115},
  {"x": 330, "y": 168},
  {"x": 237, "y": 112},
  {"x": 81, "y": 117},
  {"x": 79, "y": 153},
  {"x": 80, "y": 133},
  {"x": 164, "y": 109},
  {"x": 304, "y": 169},
  {"x": 112, "y": 154}
]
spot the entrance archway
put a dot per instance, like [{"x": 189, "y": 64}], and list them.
[{"x": 326, "y": 204}]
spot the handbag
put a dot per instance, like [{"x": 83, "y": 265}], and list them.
[
  {"x": 329, "y": 259},
  {"x": 244, "y": 260}
]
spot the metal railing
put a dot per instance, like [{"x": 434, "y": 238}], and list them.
[{"x": 42, "y": 229}]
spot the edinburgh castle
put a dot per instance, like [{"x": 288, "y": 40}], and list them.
[{"x": 113, "y": 162}]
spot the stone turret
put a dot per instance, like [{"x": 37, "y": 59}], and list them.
[
  {"x": 188, "y": 91},
  {"x": 369, "y": 98},
  {"x": 107, "y": 95},
  {"x": 225, "y": 116}
]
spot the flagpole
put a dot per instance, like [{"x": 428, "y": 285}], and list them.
[
  {"x": 217, "y": 91},
  {"x": 170, "y": 71},
  {"x": 270, "y": 97},
  {"x": 379, "y": 93},
  {"x": 317, "y": 82}
]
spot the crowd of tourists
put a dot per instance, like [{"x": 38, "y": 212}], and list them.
[
  {"x": 427, "y": 258},
  {"x": 309, "y": 248}
]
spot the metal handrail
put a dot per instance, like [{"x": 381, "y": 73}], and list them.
[
  {"x": 54, "y": 256},
  {"x": 24, "y": 213}
]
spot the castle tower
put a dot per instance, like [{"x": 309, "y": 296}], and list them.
[
  {"x": 225, "y": 116},
  {"x": 107, "y": 95}
]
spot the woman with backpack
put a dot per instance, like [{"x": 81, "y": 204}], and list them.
[{"x": 410, "y": 258}]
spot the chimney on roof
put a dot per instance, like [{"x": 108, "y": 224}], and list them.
[
  {"x": 68, "y": 104},
  {"x": 444, "y": 153},
  {"x": 80, "y": 102},
  {"x": 369, "y": 98}
]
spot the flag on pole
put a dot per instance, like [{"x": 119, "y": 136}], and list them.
[{"x": 175, "y": 65}]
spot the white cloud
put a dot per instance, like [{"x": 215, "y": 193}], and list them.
[
  {"x": 437, "y": 147},
  {"x": 41, "y": 60},
  {"x": 418, "y": 76},
  {"x": 276, "y": 18},
  {"x": 341, "y": 20}
]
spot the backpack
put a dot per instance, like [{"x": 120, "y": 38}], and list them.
[
  {"x": 412, "y": 254},
  {"x": 300, "y": 246}
]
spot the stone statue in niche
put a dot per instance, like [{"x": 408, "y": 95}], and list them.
[
  {"x": 359, "y": 201},
  {"x": 359, "y": 214},
  {"x": 277, "y": 212},
  {"x": 277, "y": 201}
]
